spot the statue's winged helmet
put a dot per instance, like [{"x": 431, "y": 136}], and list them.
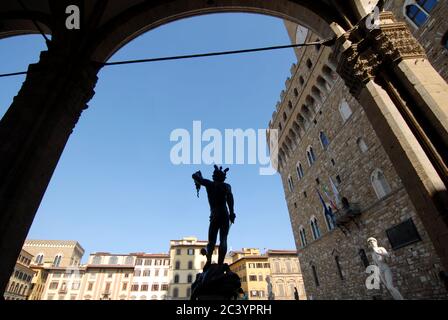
[{"x": 220, "y": 175}]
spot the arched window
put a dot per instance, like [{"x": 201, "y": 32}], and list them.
[
  {"x": 284, "y": 116},
  {"x": 177, "y": 265},
  {"x": 300, "y": 172},
  {"x": 310, "y": 155},
  {"x": 277, "y": 267},
  {"x": 445, "y": 41},
  {"x": 329, "y": 217},
  {"x": 379, "y": 184},
  {"x": 316, "y": 278},
  {"x": 289, "y": 105},
  {"x": 176, "y": 278},
  {"x": 362, "y": 145},
  {"x": 324, "y": 140},
  {"x": 113, "y": 260},
  {"x": 345, "y": 110},
  {"x": 290, "y": 184},
  {"x": 57, "y": 260},
  {"x": 281, "y": 289},
  {"x": 190, "y": 264},
  {"x": 39, "y": 258},
  {"x": 301, "y": 80},
  {"x": 190, "y": 278},
  {"x": 175, "y": 293},
  {"x": 302, "y": 236},
  {"x": 296, "y": 92},
  {"x": 315, "y": 228},
  {"x": 418, "y": 11}
]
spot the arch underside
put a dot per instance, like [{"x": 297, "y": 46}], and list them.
[{"x": 122, "y": 21}]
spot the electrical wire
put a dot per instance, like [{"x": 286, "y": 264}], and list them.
[{"x": 328, "y": 42}]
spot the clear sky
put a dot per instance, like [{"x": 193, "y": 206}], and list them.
[{"x": 115, "y": 188}]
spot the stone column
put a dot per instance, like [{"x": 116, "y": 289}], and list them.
[
  {"x": 404, "y": 98},
  {"x": 33, "y": 134}
]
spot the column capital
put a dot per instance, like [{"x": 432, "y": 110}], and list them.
[{"x": 364, "y": 50}]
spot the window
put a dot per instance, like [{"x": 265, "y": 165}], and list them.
[
  {"x": 305, "y": 194},
  {"x": 175, "y": 292},
  {"x": 129, "y": 260},
  {"x": 362, "y": 145},
  {"x": 178, "y": 252},
  {"x": 176, "y": 278},
  {"x": 148, "y": 262},
  {"x": 190, "y": 265},
  {"x": 57, "y": 260},
  {"x": 253, "y": 293},
  {"x": 260, "y": 277},
  {"x": 39, "y": 259},
  {"x": 96, "y": 260},
  {"x": 329, "y": 218},
  {"x": 345, "y": 110},
  {"x": 54, "y": 285},
  {"x": 281, "y": 289},
  {"x": 177, "y": 265},
  {"x": 300, "y": 172},
  {"x": 289, "y": 107},
  {"x": 138, "y": 262},
  {"x": 290, "y": 184},
  {"x": 296, "y": 92},
  {"x": 379, "y": 184},
  {"x": 134, "y": 287},
  {"x": 302, "y": 236},
  {"x": 252, "y": 278},
  {"x": 316, "y": 278},
  {"x": 310, "y": 155},
  {"x": 76, "y": 285},
  {"x": 418, "y": 11},
  {"x": 156, "y": 272},
  {"x": 315, "y": 228},
  {"x": 137, "y": 273},
  {"x": 155, "y": 287},
  {"x": 164, "y": 287},
  {"x": 189, "y": 278},
  {"x": 309, "y": 64},
  {"x": 124, "y": 286},
  {"x": 338, "y": 266},
  {"x": 146, "y": 273},
  {"x": 190, "y": 252},
  {"x": 90, "y": 286},
  {"x": 445, "y": 41},
  {"x": 113, "y": 260},
  {"x": 107, "y": 288},
  {"x": 301, "y": 80},
  {"x": 324, "y": 140}
]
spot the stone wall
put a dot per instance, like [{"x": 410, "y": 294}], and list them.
[{"x": 416, "y": 266}]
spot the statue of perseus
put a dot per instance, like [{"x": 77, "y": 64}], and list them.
[
  {"x": 222, "y": 214},
  {"x": 380, "y": 257},
  {"x": 217, "y": 281}
]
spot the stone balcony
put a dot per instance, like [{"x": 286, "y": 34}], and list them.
[{"x": 347, "y": 214}]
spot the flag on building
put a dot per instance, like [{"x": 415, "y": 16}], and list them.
[
  {"x": 335, "y": 192},
  {"x": 328, "y": 213}
]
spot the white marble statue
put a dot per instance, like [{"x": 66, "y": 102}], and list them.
[
  {"x": 380, "y": 257},
  {"x": 271, "y": 295}
]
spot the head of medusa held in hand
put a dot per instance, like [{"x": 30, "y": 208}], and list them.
[{"x": 219, "y": 175}]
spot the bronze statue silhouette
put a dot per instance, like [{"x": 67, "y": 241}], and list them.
[{"x": 221, "y": 203}]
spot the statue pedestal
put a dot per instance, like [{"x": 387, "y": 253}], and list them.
[{"x": 217, "y": 282}]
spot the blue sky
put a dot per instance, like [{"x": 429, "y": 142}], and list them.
[{"x": 115, "y": 188}]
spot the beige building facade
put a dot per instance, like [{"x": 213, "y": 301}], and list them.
[
  {"x": 20, "y": 283},
  {"x": 286, "y": 275},
  {"x": 59, "y": 253},
  {"x": 151, "y": 277},
  {"x": 186, "y": 263},
  {"x": 327, "y": 144}
]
